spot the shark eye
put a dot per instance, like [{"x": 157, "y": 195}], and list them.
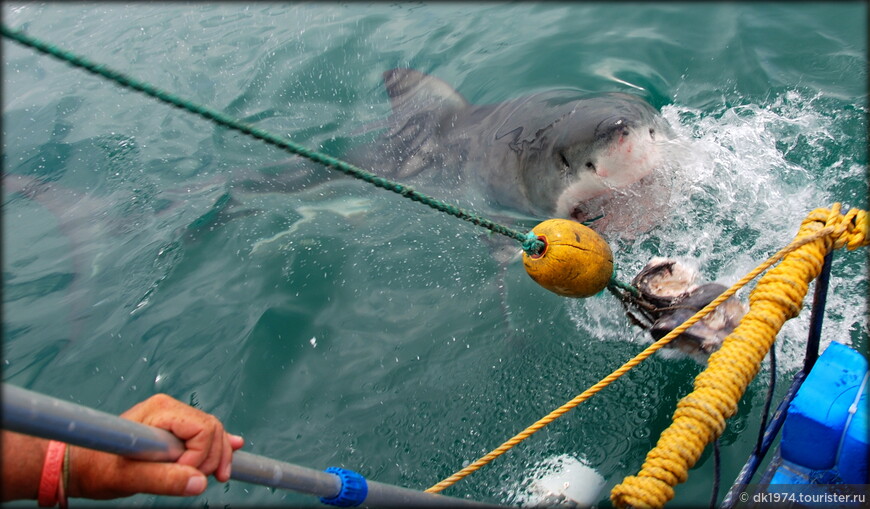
[
  {"x": 590, "y": 166},
  {"x": 652, "y": 133}
]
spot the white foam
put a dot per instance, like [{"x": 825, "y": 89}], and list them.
[
  {"x": 562, "y": 481},
  {"x": 741, "y": 181}
]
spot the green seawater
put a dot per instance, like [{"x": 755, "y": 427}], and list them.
[{"x": 346, "y": 326}]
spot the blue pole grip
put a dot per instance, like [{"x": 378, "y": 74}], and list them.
[{"x": 353, "y": 488}]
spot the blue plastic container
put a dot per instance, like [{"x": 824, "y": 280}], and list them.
[{"x": 825, "y": 431}]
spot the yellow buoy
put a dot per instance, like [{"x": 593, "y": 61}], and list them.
[{"x": 575, "y": 262}]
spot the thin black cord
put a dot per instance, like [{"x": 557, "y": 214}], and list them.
[
  {"x": 716, "y": 474},
  {"x": 770, "y": 388}
]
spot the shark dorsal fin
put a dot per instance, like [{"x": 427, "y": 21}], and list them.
[{"x": 410, "y": 89}]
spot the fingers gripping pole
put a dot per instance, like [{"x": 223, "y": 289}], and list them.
[{"x": 700, "y": 416}]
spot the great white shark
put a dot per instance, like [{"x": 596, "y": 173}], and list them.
[{"x": 560, "y": 153}]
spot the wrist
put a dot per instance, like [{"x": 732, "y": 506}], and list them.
[
  {"x": 93, "y": 474},
  {"x": 23, "y": 458}
]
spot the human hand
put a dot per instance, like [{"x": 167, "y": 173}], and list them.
[{"x": 99, "y": 475}]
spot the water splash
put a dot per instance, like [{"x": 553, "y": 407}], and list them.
[{"x": 745, "y": 177}]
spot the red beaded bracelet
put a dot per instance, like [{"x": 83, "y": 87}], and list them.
[{"x": 51, "y": 485}]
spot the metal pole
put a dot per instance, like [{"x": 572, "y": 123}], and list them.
[
  {"x": 39, "y": 415},
  {"x": 820, "y": 298}
]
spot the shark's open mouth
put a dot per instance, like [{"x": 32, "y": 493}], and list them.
[{"x": 627, "y": 211}]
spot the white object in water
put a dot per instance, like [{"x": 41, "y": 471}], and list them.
[{"x": 564, "y": 481}]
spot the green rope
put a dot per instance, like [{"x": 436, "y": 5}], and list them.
[
  {"x": 614, "y": 283},
  {"x": 530, "y": 243}
]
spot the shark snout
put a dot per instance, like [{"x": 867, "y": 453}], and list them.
[
  {"x": 621, "y": 165},
  {"x": 631, "y": 155}
]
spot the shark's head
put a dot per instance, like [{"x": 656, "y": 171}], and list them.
[
  {"x": 560, "y": 153},
  {"x": 597, "y": 147}
]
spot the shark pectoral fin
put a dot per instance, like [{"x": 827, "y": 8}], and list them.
[
  {"x": 218, "y": 214},
  {"x": 410, "y": 89}
]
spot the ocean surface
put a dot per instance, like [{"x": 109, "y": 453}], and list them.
[{"x": 346, "y": 326}]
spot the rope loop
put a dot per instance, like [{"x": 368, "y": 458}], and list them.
[
  {"x": 850, "y": 229},
  {"x": 532, "y": 245}
]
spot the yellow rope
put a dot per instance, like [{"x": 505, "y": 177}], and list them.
[
  {"x": 854, "y": 240},
  {"x": 700, "y": 416}
]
